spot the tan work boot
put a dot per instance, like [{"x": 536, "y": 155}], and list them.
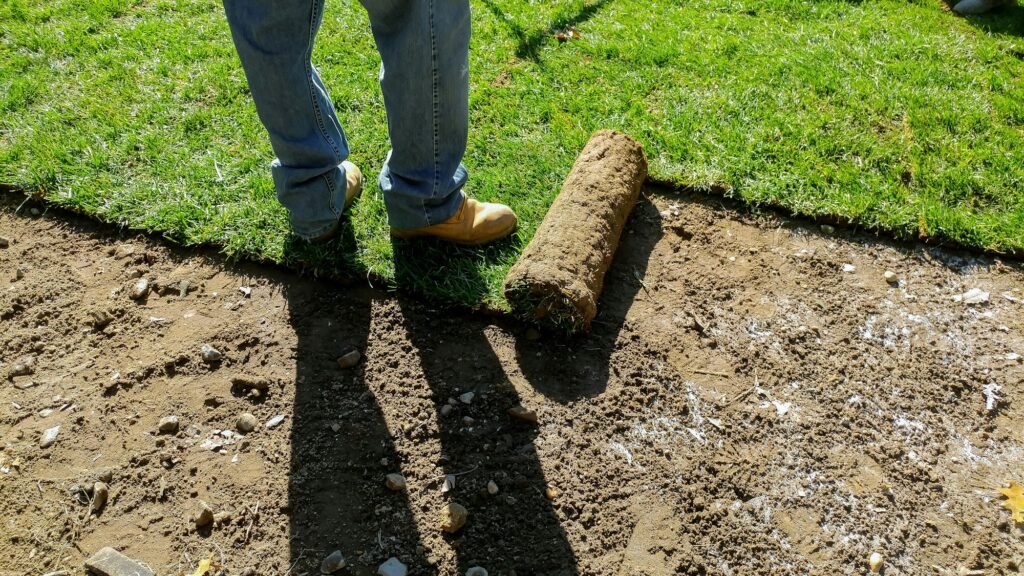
[
  {"x": 353, "y": 188},
  {"x": 474, "y": 224}
]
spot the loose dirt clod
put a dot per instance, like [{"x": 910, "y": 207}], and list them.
[
  {"x": 254, "y": 382},
  {"x": 560, "y": 275},
  {"x": 204, "y": 517},
  {"x": 24, "y": 366},
  {"x": 140, "y": 290}
]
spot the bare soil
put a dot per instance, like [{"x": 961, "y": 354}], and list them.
[{"x": 744, "y": 406}]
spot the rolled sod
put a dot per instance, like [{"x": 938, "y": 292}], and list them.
[{"x": 558, "y": 279}]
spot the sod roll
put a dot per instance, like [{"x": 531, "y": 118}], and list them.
[{"x": 558, "y": 279}]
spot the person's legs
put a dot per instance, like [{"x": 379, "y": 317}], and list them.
[
  {"x": 274, "y": 39},
  {"x": 424, "y": 48}
]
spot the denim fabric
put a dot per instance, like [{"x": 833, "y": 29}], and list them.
[{"x": 424, "y": 48}]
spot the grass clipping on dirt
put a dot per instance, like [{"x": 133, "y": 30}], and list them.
[
  {"x": 892, "y": 114},
  {"x": 558, "y": 279}
]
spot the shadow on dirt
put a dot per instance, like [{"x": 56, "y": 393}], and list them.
[
  {"x": 529, "y": 42},
  {"x": 569, "y": 369}
]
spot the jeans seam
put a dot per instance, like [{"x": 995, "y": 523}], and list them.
[
  {"x": 317, "y": 112},
  {"x": 436, "y": 109}
]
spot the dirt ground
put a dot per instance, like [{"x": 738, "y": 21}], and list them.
[{"x": 755, "y": 399}]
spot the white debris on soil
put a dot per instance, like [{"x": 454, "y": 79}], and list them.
[
  {"x": 990, "y": 395},
  {"x": 972, "y": 297},
  {"x": 849, "y": 268},
  {"x": 275, "y": 421},
  {"x": 219, "y": 440}
]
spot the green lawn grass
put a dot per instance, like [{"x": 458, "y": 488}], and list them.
[{"x": 894, "y": 114}]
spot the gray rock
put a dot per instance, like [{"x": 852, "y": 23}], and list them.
[
  {"x": 393, "y": 567},
  {"x": 110, "y": 562},
  {"x": 168, "y": 425},
  {"x": 335, "y": 561},
  {"x": 476, "y": 571},
  {"x": 446, "y": 409},
  {"x": 49, "y": 437},
  {"x": 467, "y": 398},
  {"x": 140, "y": 290},
  {"x": 395, "y": 482},
  {"x": 492, "y": 487},
  {"x": 349, "y": 359},
  {"x": 246, "y": 423},
  {"x": 211, "y": 354},
  {"x": 256, "y": 383},
  {"x": 521, "y": 413}
]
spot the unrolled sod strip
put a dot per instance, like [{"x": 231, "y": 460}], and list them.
[{"x": 558, "y": 279}]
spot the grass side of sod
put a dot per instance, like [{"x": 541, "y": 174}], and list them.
[{"x": 895, "y": 114}]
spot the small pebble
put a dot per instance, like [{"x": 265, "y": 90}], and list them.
[
  {"x": 891, "y": 277},
  {"x": 4, "y": 242},
  {"x": 335, "y": 561},
  {"x": 100, "y": 493},
  {"x": 827, "y": 229},
  {"x": 521, "y": 413},
  {"x": 205, "y": 515},
  {"x": 395, "y": 482},
  {"x": 168, "y": 425},
  {"x": 211, "y": 354},
  {"x": 446, "y": 409},
  {"x": 393, "y": 567},
  {"x": 140, "y": 290},
  {"x": 275, "y": 421},
  {"x": 468, "y": 420},
  {"x": 492, "y": 488},
  {"x": 875, "y": 562},
  {"x": 467, "y": 398},
  {"x": 246, "y": 423},
  {"x": 476, "y": 571},
  {"x": 349, "y": 359},
  {"x": 49, "y": 437},
  {"x": 453, "y": 517},
  {"x": 550, "y": 493},
  {"x": 449, "y": 483}
]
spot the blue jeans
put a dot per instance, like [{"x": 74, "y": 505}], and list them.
[{"x": 424, "y": 49}]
